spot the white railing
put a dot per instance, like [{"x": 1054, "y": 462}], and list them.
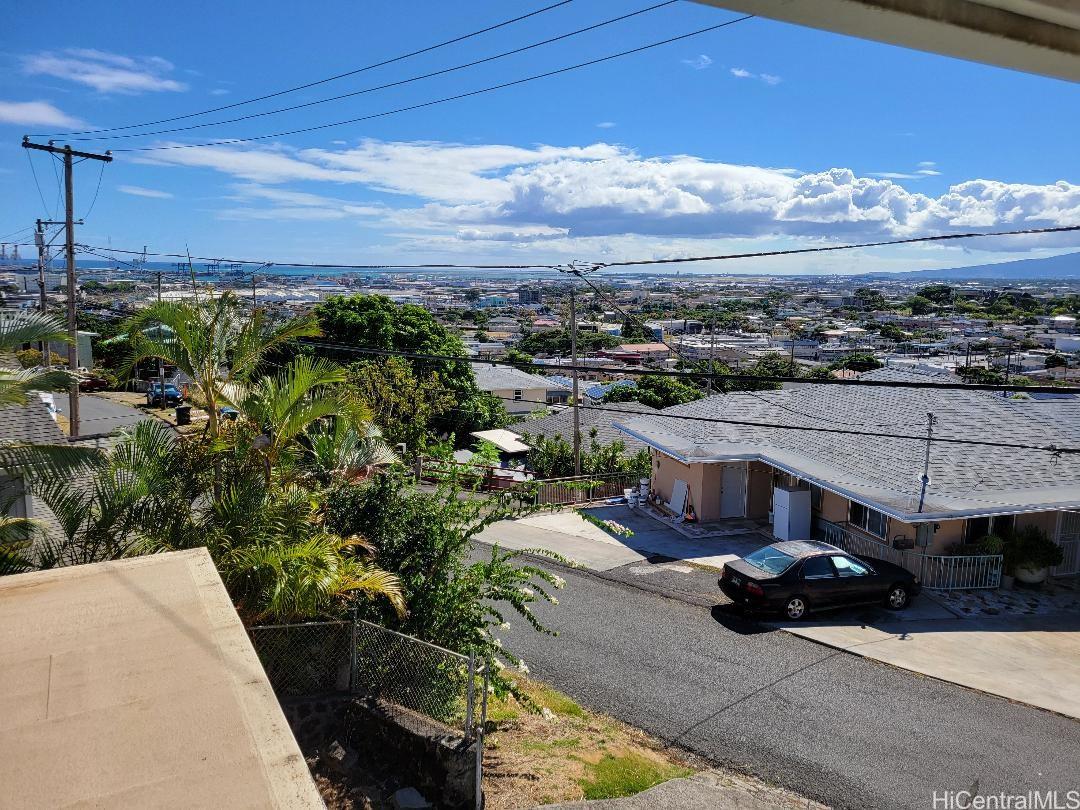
[
  {"x": 934, "y": 571},
  {"x": 1070, "y": 548}
]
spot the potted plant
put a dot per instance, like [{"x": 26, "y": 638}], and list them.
[
  {"x": 1030, "y": 554},
  {"x": 995, "y": 544}
]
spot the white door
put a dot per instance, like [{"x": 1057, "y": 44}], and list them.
[{"x": 733, "y": 491}]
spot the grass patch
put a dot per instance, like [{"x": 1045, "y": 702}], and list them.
[
  {"x": 566, "y": 753},
  {"x": 616, "y": 776}
]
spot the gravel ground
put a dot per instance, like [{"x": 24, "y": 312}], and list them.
[{"x": 827, "y": 724}]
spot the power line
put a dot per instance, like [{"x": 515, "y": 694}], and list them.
[
  {"x": 33, "y": 171},
  {"x": 444, "y": 99},
  {"x": 328, "y": 79},
  {"x": 323, "y": 266},
  {"x": 598, "y": 265},
  {"x": 908, "y": 241},
  {"x": 1038, "y": 389},
  {"x": 388, "y": 85},
  {"x": 97, "y": 191}
]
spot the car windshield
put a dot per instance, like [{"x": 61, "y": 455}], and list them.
[{"x": 770, "y": 560}]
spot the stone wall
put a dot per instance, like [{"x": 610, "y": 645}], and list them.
[{"x": 425, "y": 754}]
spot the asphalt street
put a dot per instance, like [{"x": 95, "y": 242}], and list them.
[
  {"x": 827, "y": 724},
  {"x": 97, "y": 415}
]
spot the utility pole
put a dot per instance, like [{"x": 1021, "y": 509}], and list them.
[
  {"x": 160, "y": 365},
  {"x": 39, "y": 240},
  {"x": 574, "y": 377},
  {"x": 931, "y": 420},
  {"x": 43, "y": 260},
  {"x": 712, "y": 352},
  {"x": 69, "y": 249}
]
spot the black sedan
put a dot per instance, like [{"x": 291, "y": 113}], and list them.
[{"x": 797, "y": 577}]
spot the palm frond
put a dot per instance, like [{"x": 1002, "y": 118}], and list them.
[{"x": 30, "y": 327}]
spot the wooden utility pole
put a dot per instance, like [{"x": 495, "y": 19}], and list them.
[
  {"x": 69, "y": 156},
  {"x": 160, "y": 364},
  {"x": 39, "y": 240},
  {"x": 574, "y": 377}
]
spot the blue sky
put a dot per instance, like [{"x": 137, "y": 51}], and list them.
[{"x": 757, "y": 136}]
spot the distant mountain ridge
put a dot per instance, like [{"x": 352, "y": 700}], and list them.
[{"x": 1066, "y": 266}]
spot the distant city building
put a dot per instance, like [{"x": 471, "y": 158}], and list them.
[{"x": 530, "y": 295}]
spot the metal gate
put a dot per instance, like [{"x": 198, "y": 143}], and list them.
[{"x": 1068, "y": 537}]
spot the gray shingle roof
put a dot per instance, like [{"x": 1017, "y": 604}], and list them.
[
  {"x": 501, "y": 378},
  {"x": 886, "y": 471},
  {"x": 561, "y": 423},
  {"x": 29, "y": 423}
]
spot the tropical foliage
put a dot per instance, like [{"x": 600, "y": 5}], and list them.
[
  {"x": 212, "y": 342},
  {"x": 553, "y": 457},
  {"x": 457, "y": 597}
]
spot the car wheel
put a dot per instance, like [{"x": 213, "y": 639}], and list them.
[
  {"x": 796, "y": 608},
  {"x": 897, "y": 598}
]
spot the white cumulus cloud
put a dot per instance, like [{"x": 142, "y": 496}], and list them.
[
  {"x": 139, "y": 191},
  {"x": 35, "y": 114},
  {"x": 699, "y": 62},
  {"x": 103, "y": 71},
  {"x": 447, "y": 193}
]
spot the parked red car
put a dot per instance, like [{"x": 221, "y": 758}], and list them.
[{"x": 91, "y": 383}]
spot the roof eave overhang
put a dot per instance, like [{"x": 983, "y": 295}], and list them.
[{"x": 1039, "y": 38}]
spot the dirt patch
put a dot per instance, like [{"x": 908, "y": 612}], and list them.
[{"x": 564, "y": 752}]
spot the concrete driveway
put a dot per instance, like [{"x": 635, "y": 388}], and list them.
[
  {"x": 100, "y": 415},
  {"x": 599, "y": 549},
  {"x": 1030, "y": 659}
]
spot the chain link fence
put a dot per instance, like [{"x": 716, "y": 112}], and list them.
[{"x": 412, "y": 680}]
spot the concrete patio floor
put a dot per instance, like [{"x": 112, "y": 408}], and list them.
[{"x": 570, "y": 535}]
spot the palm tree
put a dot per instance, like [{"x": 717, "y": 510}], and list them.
[
  {"x": 279, "y": 560},
  {"x": 211, "y": 343},
  {"x": 345, "y": 450},
  {"x": 154, "y": 493},
  {"x": 292, "y": 409}
]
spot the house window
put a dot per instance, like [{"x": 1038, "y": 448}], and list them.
[
  {"x": 815, "y": 499},
  {"x": 978, "y": 528},
  {"x": 869, "y": 520},
  {"x": 517, "y": 395}
]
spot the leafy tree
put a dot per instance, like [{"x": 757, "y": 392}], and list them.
[
  {"x": 892, "y": 332},
  {"x": 376, "y": 322},
  {"x": 869, "y": 298},
  {"x": 1056, "y": 361},
  {"x": 520, "y": 359},
  {"x": 940, "y": 294},
  {"x": 553, "y": 457},
  {"x": 427, "y": 539},
  {"x": 634, "y": 331},
  {"x": 480, "y": 336},
  {"x": 404, "y": 405},
  {"x": 859, "y": 361},
  {"x": 557, "y": 342},
  {"x": 656, "y": 391},
  {"x": 920, "y": 305}
]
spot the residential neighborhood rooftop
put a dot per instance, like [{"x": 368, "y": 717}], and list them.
[{"x": 857, "y": 460}]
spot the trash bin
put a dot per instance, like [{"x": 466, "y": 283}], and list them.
[{"x": 183, "y": 414}]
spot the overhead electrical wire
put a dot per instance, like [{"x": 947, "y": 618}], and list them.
[
  {"x": 597, "y": 265},
  {"x": 33, "y": 171},
  {"x": 443, "y": 100},
  {"x": 318, "y": 82},
  {"x": 399, "y": 83}
]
